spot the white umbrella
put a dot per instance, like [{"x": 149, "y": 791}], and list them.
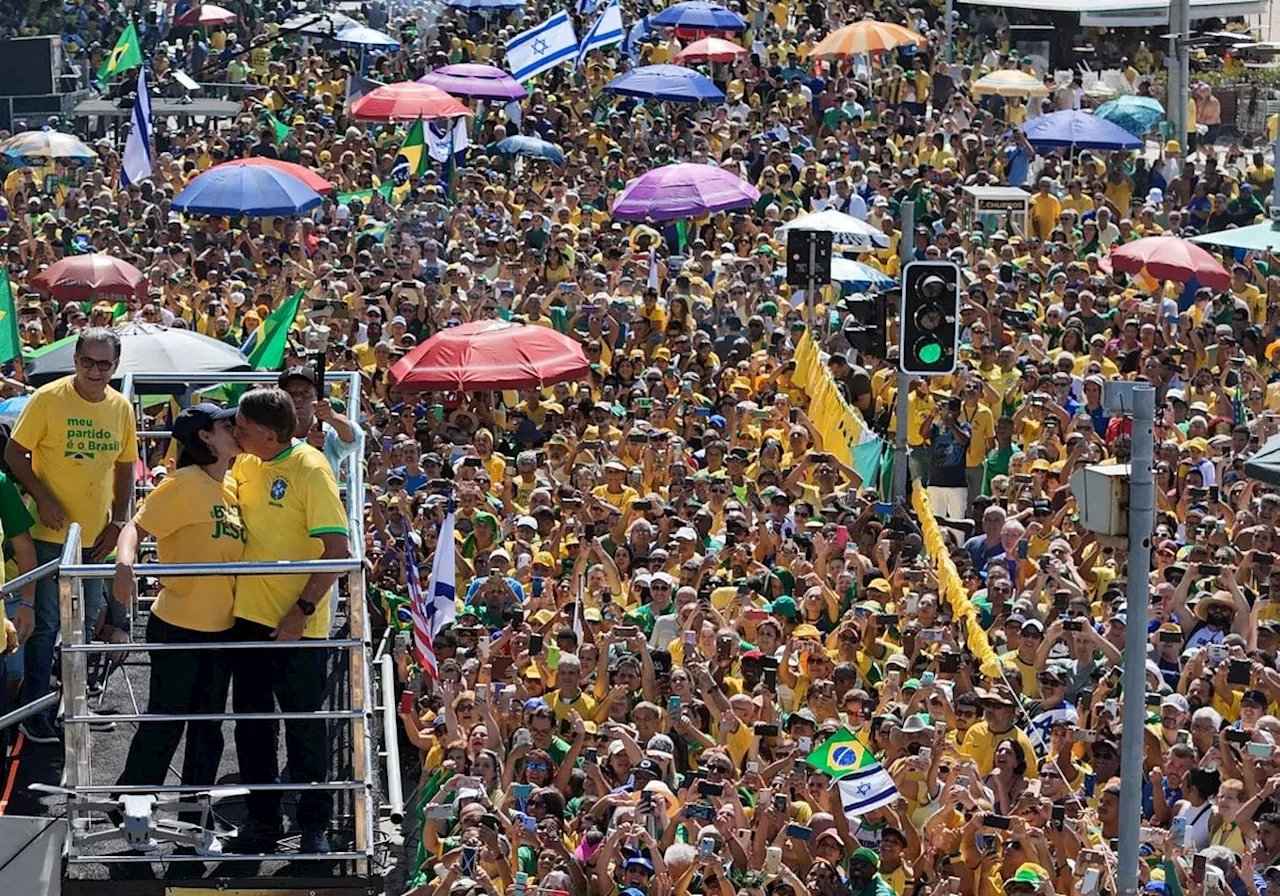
[
  {"x": 319, "y": 24},
  {"x": 845, "y": 230}
]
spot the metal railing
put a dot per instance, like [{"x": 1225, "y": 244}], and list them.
[
  {"x": 78, "y": 769},
  {"x": 49, "y": 700}
]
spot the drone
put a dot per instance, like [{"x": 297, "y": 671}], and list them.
[{"x": 133, "y": 819}]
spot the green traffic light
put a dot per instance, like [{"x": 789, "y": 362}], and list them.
[{"x": 930, "y": 353}]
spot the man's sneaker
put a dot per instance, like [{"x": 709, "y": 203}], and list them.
[
  {"x": 253, "y": 838},
  {"x": 38, "y": 731},
  {"x": 210, "y": 849},
  {"x": 102, "y": 723},
  {"x": 313, "y": 843}
]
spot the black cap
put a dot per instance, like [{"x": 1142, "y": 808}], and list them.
[
  {"x": 299, "y": 373},
  {"x": 647, "y": 766},
  {"x": 198, "y": 418}
]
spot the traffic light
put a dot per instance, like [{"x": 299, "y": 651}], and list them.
[
  {"x": 929, "y": 325},
  {"x": 864, "y": 328}
]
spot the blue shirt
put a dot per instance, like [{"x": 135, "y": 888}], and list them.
[{"x": 336, "y": 451}]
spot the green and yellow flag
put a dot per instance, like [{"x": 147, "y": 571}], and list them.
[
  {"x": 126, "y": 55},
  {"x": 272, "y": 342},
  {"x": 10, "y": 343},
  {"x": 410, "y": 160},
  {"x": 841, "y": 755},
  {"x": 281, "y": 130}
]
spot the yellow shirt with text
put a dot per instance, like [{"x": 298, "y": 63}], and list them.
[
  {"x": 286, "y": 503},
  {"x": 195, "y": 519},
  {"x": 75, "y": 445}
]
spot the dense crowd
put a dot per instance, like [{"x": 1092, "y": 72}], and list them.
[{"x": 690, "y": 624}]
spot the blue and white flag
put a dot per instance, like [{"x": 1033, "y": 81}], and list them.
[
  {"x": 587, "y": 7},
  {"x": 543, "y": 47},
  {"x": 442, "y": 145},
  {"x": 606, "y": 32},
  {"x": 436, "y": 608},
  {"x": 637, "y": 33},
  {"x": 137, "y": 149}
]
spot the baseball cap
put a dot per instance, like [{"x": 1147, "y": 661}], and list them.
[
  {"x": 197, "y": 419},
  {"x": 299, "y": 373}
]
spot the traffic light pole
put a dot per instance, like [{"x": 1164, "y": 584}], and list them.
[
  {"x": 907, "y": 252},
  {"x": 808, "y": 289}
]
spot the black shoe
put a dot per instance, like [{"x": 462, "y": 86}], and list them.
[
  {"x": 102, "y": 722},
  {"x": 313, "y": 843},
  {"x": 39, "y": 731},
  {"x": 253, "y": 838}
]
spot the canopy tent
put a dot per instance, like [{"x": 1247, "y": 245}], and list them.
[{"x": 1264, "y": 237}]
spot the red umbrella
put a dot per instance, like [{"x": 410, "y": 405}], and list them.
[
  {"x": 90, "y": 278},
  {"x": 306, "y": 175},
  {"x": 711, "y": 49},
  {"x": 205, "y": 14},
  {"x": 1170, "y": 258},
  {"x": 490, "y": 354},
  {"x": 406, "y": 101}
]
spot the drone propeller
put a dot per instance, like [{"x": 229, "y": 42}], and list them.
[{"x": 51, "y": 788}]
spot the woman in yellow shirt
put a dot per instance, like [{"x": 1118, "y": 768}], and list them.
[{"x": 194, "y": 515}]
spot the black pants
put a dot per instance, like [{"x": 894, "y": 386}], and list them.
[
  {"x": 182, "y": 682},
  {"x": 295, "y": 680}
]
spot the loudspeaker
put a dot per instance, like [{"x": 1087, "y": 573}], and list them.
[{"x": 31, "y": 65}]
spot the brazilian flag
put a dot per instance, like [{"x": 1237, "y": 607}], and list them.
[
  {"x": 841, "y": 755},
  {"x": 126, "y": 55},
  {"x": 410, "y": 160}
]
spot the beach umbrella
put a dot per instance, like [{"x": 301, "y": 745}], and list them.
[
  {"x": 490, "y": 355},
  {"x": 531, "y": 148},
  {"x": 865, "y": 38},
  {"x": 1009, "y": 82},
  {"x": 361, "y": 36},
  {"x": 90, "y": 278},
  {"x": 36, "y": 149},
  {"x": 406, "y": 101},
  {"x": 669, "y": 83},
  {"x": 147, "y": 348},
  {"x": 306, "y": 175},
  {"x": 1170, "y": 258},
  {"x": 11, "y": 409},
  {"x": 319, "y": 24},
  {"x": 1136, "y": 114},
  {"x": 205, "y": 14},
  {"x": 257, "y": 191},
  {"x": 698, "y": 15},
  {"x": 1078, "y": 130},
  {"x": 681, "y": 190},
  {"x": 475, "y": 80},
  {"x": 711, "y": 49},
  {"x": 845, "y": 230}
]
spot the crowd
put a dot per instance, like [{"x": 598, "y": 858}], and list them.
[{"x": 692, "y": 631}]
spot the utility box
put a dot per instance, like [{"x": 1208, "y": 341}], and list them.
[{"x": 1102, "y": 494}]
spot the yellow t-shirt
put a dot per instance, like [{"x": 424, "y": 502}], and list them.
[
  {"x": 286, "y": 503},
  {"x": 195, "y": 519},
  {"x": 982, "y": 427},
  {"x": 980, "y": 744},
  {"x": 75, "y": 445}
]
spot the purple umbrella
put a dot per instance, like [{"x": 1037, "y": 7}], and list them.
[
  {"x": 682, "y": 190},
  {"x": 471, "y": 79}
]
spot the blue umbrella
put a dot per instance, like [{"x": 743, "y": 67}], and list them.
[
  {"x": 701, "y": 16},
  {"x": 11, "y": 408},
  {"x": 1136, "y": 114},
  {"x": 257, "y": 191},
  {"x": 532, "y": 148},
  {"x": 672, "y": 83},
  {"x": 485, "y": 4},
  {"x": 361, "y": 36},
  {"x": 1077, "y": 130}
]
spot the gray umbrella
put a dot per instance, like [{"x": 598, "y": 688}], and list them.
[{"x": 148, "y": 348}]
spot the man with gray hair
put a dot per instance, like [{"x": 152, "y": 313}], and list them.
[{"x": 73, "y": 450}]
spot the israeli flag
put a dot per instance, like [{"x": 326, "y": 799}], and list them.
[
  {"x": 443, "y": 144},
  {"x": 137, "y": 149},
  {"x": 606, "y": 32},
  {"x": 637, "y": 33},
  {"x": 543, "y": 47},
  {"x": 587, "y": 7},
  {"x": 435, "y": 607}
]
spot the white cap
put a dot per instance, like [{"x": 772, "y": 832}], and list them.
[
  {"x": 527, "y": 521},
  {"x": 160, "y": 470},
  {"x": 686, "y": 533}
]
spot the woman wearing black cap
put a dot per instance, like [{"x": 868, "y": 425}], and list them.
[{"x": 195, "y": 518}]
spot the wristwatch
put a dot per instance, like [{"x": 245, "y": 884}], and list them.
[{"x": 306, "y": 608}]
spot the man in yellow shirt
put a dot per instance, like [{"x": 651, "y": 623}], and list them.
[
  {"x": 73, "y": 450},
  {"x": 982, "y": 435},
  {"x": 996, "y": 727},
  {"x": 290, "y": 506},
  {"x": 1045, "y": 209}
]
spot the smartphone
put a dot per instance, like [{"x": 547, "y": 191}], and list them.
[
  {"x": 1059, "y": 817},
  {"x": 927, "y": 677},
  {"x": 673, "y": 706},
  {"x": 701, "y": 812},
  {"x": 690, "y": 639},
  {"x": 591, "y": 755},
  {"x": 553, "y": 657},
  {"x": 1073, "y": 625},
  {"x": 710, "y": 788},
  {"x": 772, "y": 860},
  {"x": 1023, "y": 545},
  {"x": 780, "y": 802},
  {"x": 949, "y": 662},
  {"x": 887, "y": 620},
  {"x": 1170, "y": 638},
  {"x": 706, "y": 847},
  {"x": 1239, "y": 672},
  {"x": 1153, "y": 700},
  {"x": 1111, "y": 706},
  {"x": 799, "y": 832},
  {"x": 764, "y": 729},
  {"x": 1216, "y": 652},
  {"x": 926, "y": 756},
  {"x": 931, "y": 635},
  {"x": 535, "y": 645},
  {"x": 522, "y": 792},
  {"x": 1235, "y": 736},
  {"x": 1197, "y": 868},
  {"x": 1210, "y": 569},
  {"x": 913, "y": 603},
  {"x": 1262, "y": 751},
  {"x": 1184, "y": 736},
  {"x": 770, "y": 680},
  {"x": 1178, "y": 830},
  {"x": 1084, "y": 736},
  {"x": 999, "y": 822},
  {"x": 1089, "y": 884},
  {"x": 467, "y": 868},
  {"x": 804, "y": 745},
  {"x": 522, "y": 882},
  {"x": 438, "y": 812},
  {"x": 1091, "y": 784}
]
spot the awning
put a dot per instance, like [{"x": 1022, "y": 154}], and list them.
[
  {"x": 1265, "y": 464},
  {"x": 1264, "y": 237},
  {"x": 1137, "y": 13}
]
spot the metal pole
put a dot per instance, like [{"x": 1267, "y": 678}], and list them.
[
  {"x": 1177, "y": 111},
  {"x": 949, "y": 32},
  {"x": 1141, "y": 524},
  {"x": 900, "y": 442},
  {"x": 810, "y": 301},
  {"x": 391, "y": 739}
]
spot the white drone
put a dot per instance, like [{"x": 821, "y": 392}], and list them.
[{"x": 138, "y": 826}]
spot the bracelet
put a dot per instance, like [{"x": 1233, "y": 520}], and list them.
[{"x": 26, "y": 603}]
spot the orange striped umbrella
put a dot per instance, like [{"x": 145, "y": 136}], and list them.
[{"x": 864, "y": 38}]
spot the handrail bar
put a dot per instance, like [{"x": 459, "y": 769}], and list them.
[
  {"x": 129, "y": 647},
  {"x": 215, "y": 716},
  {"x": 200, "y": 788},
  {"x": 239, "y": 376},
  {"x": 391, "y": 738},
  {"x": 35, "y": 707},
  {"x": 17, "y": 583},
  {"x": 147, "y": 858},
  {"x": 241, "y": 568}
]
